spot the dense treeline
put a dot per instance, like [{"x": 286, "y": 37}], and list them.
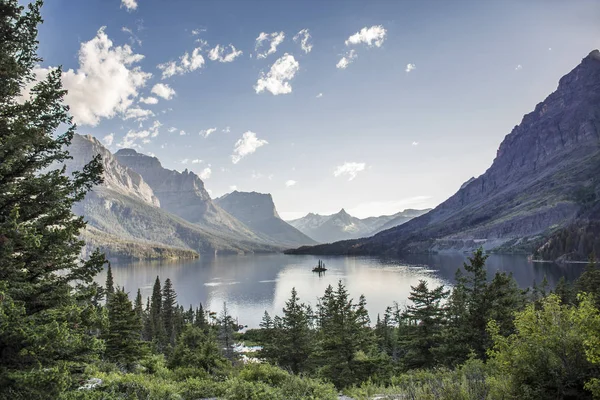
[
  {"x": 575, "y": 242},
  {"x": 483, "y": 339},
  {"x": 63, "y": 336}
]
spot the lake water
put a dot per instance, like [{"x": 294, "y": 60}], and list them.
[{"x": 255, "y": 283}]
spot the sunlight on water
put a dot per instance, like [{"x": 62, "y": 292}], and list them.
[{"x": 252, "y": 284}]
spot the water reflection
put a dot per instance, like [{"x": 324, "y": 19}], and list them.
[{"x": 252, "y": 284}]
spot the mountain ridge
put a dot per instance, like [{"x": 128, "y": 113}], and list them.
[{"x": 528, "y": 189}]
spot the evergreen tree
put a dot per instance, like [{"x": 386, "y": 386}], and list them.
[
  {"x": 426, "y": 316},
  {"x": 123, "y": 344},
  {"x": 344, "y": 335},
  {"x": 47, "y": 292},
  {"x": 589, "y": 281},
  {"x": 200, "y": 318},
  {"x": 197, "y": 349},
  {"x": 157, "y": 327},
  {"x": 169, "y": 307},
  {"x": 295, "y": 340},
  {"x": 225, "y": 337},
  {"x": 109, "y": 287},
  {"x": 139, "y": 309}
]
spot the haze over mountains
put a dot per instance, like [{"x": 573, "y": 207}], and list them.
[
  {"x": 342, "y": 226},
  {"x": 544, "y": 178},
  {"x": 143, "y": 210}
]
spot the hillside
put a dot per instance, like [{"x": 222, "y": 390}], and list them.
[
  {"x": 125, "y": 219},
  {"x": 533, "y": 187},
  {"x": 258, "y": 212}
]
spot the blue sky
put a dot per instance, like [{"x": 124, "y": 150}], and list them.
[{"x": 374, "y": 137}]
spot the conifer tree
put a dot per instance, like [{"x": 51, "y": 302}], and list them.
[
  {"x": 225, "y": 335},
  {"x": 295, "y": 339},
  {"x": 109, "y": 287},
  {"x": 169, "y": 307},
  {"x": 139, "y": 308},
  {"x": 123, "y": 344},
  {"x": 47, "y": 309},
  {"x": 426, "y": 315},
  {"x": 157, "y": 327}
]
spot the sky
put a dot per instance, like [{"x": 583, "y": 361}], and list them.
[{"x": 371, "y": 106}]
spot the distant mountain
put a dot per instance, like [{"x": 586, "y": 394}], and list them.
[
  {"x": 258, "y": 212},
  {"x": 545, "y": 176},
  {"x": 125, "y": 220},
  {"x": 342, "y": 226}
]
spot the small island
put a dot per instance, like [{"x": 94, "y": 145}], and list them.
[{"x": 320, "y": 267}]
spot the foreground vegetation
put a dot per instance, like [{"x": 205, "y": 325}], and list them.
[{"x": 62, "y": 336}]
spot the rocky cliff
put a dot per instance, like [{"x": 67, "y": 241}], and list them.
[
  {"x": 258, "y": 212},
  {"x": 125, "y": 217},
  {"x": 529, "y": 190}
]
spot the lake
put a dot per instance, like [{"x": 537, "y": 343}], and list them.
[{"x": 255, "y": 283}]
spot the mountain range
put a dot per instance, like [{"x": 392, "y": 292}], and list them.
[
  {"x": 143, "y": 210},
  {"x": 544, "y": 179},
  {"x": 342, "y": 226}
]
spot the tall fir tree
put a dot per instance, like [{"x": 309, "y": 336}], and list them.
[
  {"x": 123, "y": 344},
  {"x": 426, "y": 317},
  {"x": 169, "y": 309},
  {"x": 157, "y": 328},
  {"x": 296, "y": 341},
  {"x": 225, "y": 335},
  {"x": 47, "y": 291},
  {"x": 109, "y": 286}
]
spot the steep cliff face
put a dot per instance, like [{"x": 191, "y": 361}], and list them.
[
  {"x": 125, "y": 219},
  {"x": 116, "y": 176},
  {"x": 258, "y": 212},
  {"x": 530, "y": 187},
  {"x": 183, "y": 194}
]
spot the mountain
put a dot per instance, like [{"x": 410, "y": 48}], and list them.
[
  {"x": 258, "y": 212},
  {"x": 544, "y": 177},
  {"x": 341, "y": 226},
  {"x": 125, "y": 217},
  {"x": 398, "y": 219}
]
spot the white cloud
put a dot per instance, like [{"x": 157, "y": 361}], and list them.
[
  {"x": 105, "y": 82},
  {"x": 182, "y": 133},
  {"x": 197, "y": 161},
  {"x": 233, "y": 187},
  {"x": 275, "y": 40},
  {"x": 149, "y": 100},
  {"x": 207, "y": 132},
  {"x": 218, "y": 53},
  {"x": 185, "y": 161},
  {"x": 246, "y": 145},
  {"x": 133, "y": 38},
  {"x": 349, "y": 168},
  {"x": 226, "y": 129},
  {"x": 374, "y": 35},
  {"x": 163, "y": 90},
  {"x": 415, "y": 143},
  {"x": 347, "y": 59},
  {"x": 303, "y": 36},
  {"x": 172, "y": 129},
  {"x": 410, "y": 67},
  {"x": 319, "y": 95},
  {"x": 518, "y": 67},
  {"x": 276, "y": 80},
  {"x": 130, "y": 5},
  {"x": 139, "y": 114},
  {"x": 129, "y": 140},
  {"x": 108, "y": 139},
  {"x": 186, "y": 64},
  {"x": 290, "y": 183},
  {"x": 205, "y": 173}
]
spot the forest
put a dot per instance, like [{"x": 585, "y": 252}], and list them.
[{"x": 64, "y": 336}]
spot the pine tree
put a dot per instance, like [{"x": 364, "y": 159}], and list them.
[
  {"x": 157, "y": 327},
  {"x": 295, "y": 340},
  {"x": 426, "y": 315},
  {"x": 123, "y": 344},
  {"x": 589, "y": 281},
  {"x": 47, "y": 316},
  {"x": 109, "y": 287},
  {"x": 169, "y": 305},
  {"x": 138, "y": 307},
  {"x": 225, "y": 336}
]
